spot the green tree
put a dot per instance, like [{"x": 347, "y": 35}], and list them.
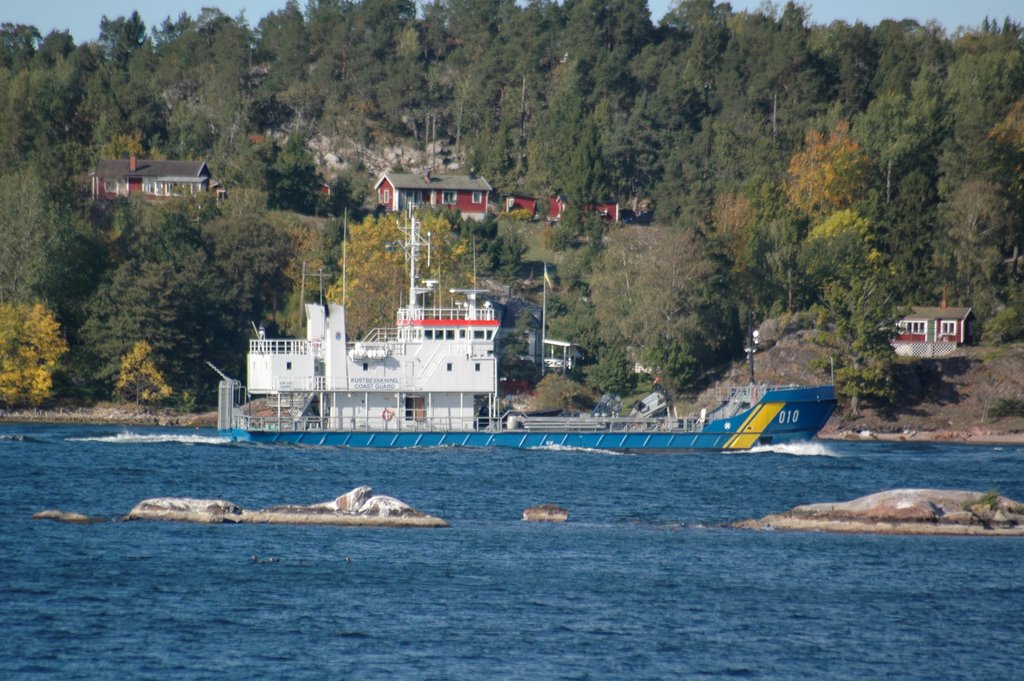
[
  {"x": 659, "y": 292},
  {"x": 26, "y": 229},
  {"x": 859, "y": 319},
  {"x": 292, "y": 180},
  {"x": 613, "y": 372},
  {"x": 857, "y": 312}
]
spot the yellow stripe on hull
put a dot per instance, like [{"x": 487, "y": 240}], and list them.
[{"x": 751, "y": 429}]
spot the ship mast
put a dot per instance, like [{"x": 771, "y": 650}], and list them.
[{"x": 414, "y": 240}]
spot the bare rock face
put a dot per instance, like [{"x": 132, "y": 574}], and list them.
[
  {"x": 186, "y": 509},
  {"x": 905, "y": 511},
  {"x": 546, "y": 513},
  {"x": 352, "y": 501},
  {"x": 62, "y": 516}
]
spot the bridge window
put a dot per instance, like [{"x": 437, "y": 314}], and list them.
[
  {"x": 478, "y": 335},
  {"x": 428, "y": 334},
  {"x": 287, "y": 366},
  {"x": 449, "y": 334}
]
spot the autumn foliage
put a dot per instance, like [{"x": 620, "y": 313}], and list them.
[
  {"x": 828, "y": 174},
  {"x": 30, "y": 345},
  {"x": 140, "y": 380}
]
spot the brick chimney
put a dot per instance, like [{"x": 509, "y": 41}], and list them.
[{"x": 133, "y": 163}]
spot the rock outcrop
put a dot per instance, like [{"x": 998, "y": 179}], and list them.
[
  {"x": 904, "y": 511},
  {"x": 185, "y": 509},
  {"x": 63, "y": 516},
  {"x": 546, "y": 513},
  {"x": 359, "y": 507}
]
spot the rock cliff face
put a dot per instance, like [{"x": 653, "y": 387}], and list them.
[{"x": 904, "y": 511}]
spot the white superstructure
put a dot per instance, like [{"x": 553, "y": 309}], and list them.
[{"x": 435, "y": 370}]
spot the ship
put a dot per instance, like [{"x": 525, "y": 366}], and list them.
[{"x": 432, "y": 380}]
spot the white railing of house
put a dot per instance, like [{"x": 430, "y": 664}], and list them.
[{"x": 923, "y": 349}]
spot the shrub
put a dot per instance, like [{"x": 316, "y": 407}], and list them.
[
  {"x": 517, "y": 214},
  {"x": 989, "y": 500},
  {"x": 1007, "y": 407}
]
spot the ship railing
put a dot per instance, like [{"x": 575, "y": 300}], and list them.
[
  {"x": 302, "y": 384},
  {"x": 285, "y": 346},
  {"x": 749, "y": 393},
  {"x": 584, "y": 424},
  {"x": 287, "y": 423},
  {"x": 381, "y": 335},
  {"x": 512, "y": 421},
  {"x": 407, "y": 315}
]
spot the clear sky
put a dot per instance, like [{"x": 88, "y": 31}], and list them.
[{"x": 82, "y": 17}]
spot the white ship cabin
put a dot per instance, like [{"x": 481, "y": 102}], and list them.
[{"x": 436, "y": 370}]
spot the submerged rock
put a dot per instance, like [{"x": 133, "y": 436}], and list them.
[
  {"x": 63, "y": 516},
  {"x": 358, "y": 507},
  {"x": 546, "y": 513},
  {"x": 904, "y": 511}
]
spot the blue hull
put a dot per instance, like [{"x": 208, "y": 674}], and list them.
[{"x": 785, "y": 415}]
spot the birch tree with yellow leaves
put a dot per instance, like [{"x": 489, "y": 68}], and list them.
[
  {"x": 30, "y": 345},
  {"x": 140, "y": 379}
]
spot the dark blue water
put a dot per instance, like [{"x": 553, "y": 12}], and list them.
[{"x": 643, "y": 582}]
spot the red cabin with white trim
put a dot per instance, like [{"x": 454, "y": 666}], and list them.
[{"x": 467, "y": 194}]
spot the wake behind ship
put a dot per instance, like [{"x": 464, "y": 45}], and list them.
[{"x": 432, "y": 380}]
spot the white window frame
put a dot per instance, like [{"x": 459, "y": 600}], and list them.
[
  {"x": 947, "y": 327},
  {"x": 478, "y": 197},
  {"x": 449, "y": 197}
]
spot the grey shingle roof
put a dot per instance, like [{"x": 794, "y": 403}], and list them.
[
  {"x": 177, "y": 170},
  {"x": 938, "y": 313},
  {"x": 449, "y": 182}
]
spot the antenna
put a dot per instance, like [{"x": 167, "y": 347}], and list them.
[
  {"x": 302, "y": 294},
  {"x": 344, "y": 261}
]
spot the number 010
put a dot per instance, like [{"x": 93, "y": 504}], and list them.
[{"x": 789, "y": 416}]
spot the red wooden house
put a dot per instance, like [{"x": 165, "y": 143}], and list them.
[
  {"x": 556, "y": 206},
  {"x": 519, "y": 202},
  {"x": 467, "y": 194},
  {"x": 155, "y": 179},
  {"x": 608, "y": 210},
  {"x": 934, "y": 331}
]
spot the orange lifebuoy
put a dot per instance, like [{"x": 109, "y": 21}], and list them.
[{"x": 387, "y": 414}]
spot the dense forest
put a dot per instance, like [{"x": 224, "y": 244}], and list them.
[{"x": 833, "y": 173}]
